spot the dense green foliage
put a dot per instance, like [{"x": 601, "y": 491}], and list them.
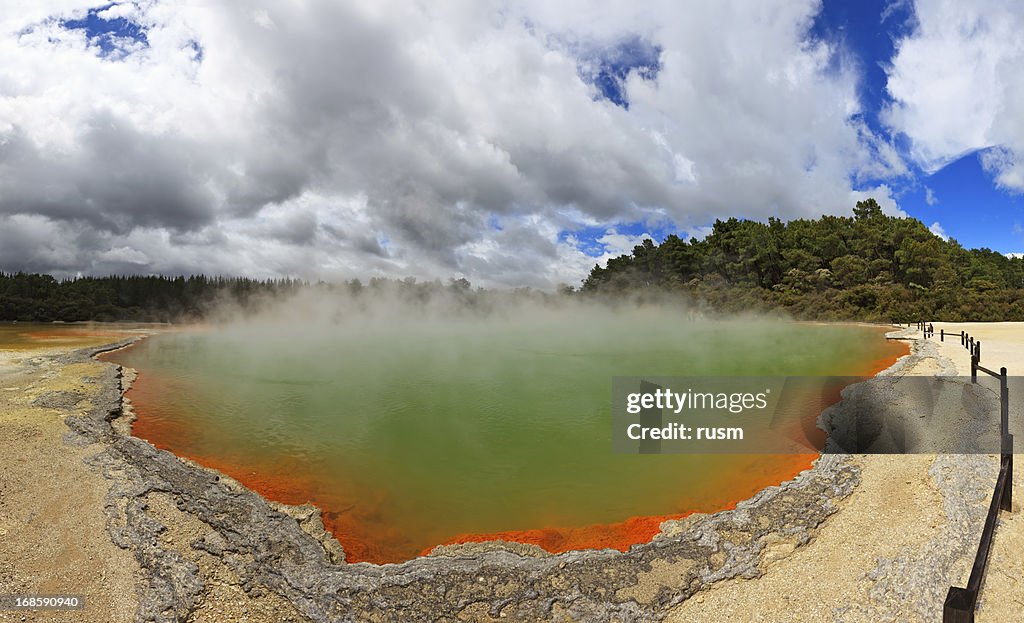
[
  {"x": 32, "y": 297},
  {"x": 869, "y": 267},
  {"x": 41, "y": 298}
]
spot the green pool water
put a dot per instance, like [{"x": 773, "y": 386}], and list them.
[{"x": 410, "y": 434}]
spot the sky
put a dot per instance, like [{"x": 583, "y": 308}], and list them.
[{"x": 510, "y": 142}]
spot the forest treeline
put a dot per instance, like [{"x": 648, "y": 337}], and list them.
[
  {"x": 42, "y": 298},
  {"x": 866, "y": 267},
  {"x": 30, "y": 297}
]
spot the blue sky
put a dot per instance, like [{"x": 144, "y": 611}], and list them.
[
  {"x": 964, "y": 198},
  {"x": 961, "y": 197},
  {"x": 333, "y": 139},
  {"x": 110, "y": 34}
]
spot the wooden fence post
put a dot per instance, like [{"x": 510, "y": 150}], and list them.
[
  {"x": 1006, "y": 503},
  {"x": 1007, "y": 440},
  {"x": 961, "y": 603}
]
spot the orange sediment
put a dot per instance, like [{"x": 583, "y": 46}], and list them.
[{"x": 624, "y": 534}]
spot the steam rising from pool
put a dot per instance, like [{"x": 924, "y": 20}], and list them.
[{"x": 418, "y": 421}]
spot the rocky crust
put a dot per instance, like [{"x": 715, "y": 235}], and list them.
[{"x": 269, "y": 548}]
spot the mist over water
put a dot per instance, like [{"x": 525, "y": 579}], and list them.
[{"x": 413, "y": 422}]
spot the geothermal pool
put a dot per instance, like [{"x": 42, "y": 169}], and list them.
[{"x": 409, "y": 436}]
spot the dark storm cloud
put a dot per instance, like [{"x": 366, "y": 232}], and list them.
[
  {"x": 328, "y": 138},
  {"x": 117, "y": 179}
]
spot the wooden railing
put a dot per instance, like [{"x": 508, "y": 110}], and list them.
[{"x": 960, "y": 602}]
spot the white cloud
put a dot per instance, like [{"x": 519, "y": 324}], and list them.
[
  {"x": 958, "y": 82},
  {"x": 937, "y": 229},
  {"x": 293, "y": 138},
  {"x": 617, "y": 244},
  {"x": 263, "y": 19},
  {"x": 700, "y": 233},
  {"x": 929, "y": 196},
  {"x": 1014, "y": 255},
  {"x": 881, "y": 193},
  {"x": 125, "y": 255},
  {"x": 1005, "y": 165},
  {"x": 891, "y": 8}
]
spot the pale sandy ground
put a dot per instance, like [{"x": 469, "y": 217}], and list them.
[
  {"x": 894, "y": 517},
  {"x": 53, "y": 537}
]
